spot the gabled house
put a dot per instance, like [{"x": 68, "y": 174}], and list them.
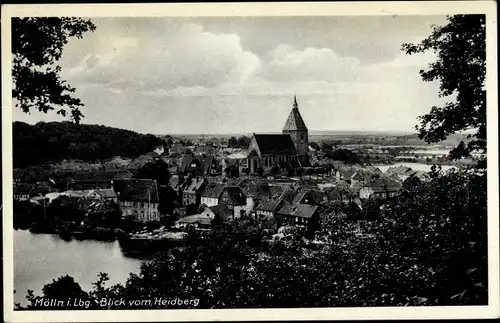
[
  {"x": 344, "y": 174},
  {"x": 267, "y": 209},
  {"x": 203, "y": 220},
  {"x": 198, "y": 221},
  {"x": 420, "y": 174},
  {"x": 107, "y": 194},
  {"x": 212, "y": 194},
  {"x": 139, "y": 199},
  {"x": 296, "y": 214},
  {"x": 198, "y": 165},
  {"x": 401, "y": 172},
  {"x": 95, "y": 211},
  {"x": 363, "y": 175},
  {"x": 118, "y": 179},
  {"x": 234, "y": 198},
  {"x": 257, "y": 191},
  {"x": 192, "y": 189}
]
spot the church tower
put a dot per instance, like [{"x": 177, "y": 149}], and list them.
[{"x": 296, "y": 128}]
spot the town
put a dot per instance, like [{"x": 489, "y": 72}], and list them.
[
  {"x": 280, "y": 179},
  {"x": 216, "y": 163}
]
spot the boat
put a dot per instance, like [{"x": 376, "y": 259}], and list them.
[{"x": 151, "y": 241}]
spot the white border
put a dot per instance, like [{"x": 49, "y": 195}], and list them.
[{"x": 260, "y": 9}]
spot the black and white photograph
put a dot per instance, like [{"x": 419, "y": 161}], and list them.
[{"x": 214, "y": 158}]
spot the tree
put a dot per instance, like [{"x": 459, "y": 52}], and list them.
[
  {"x": 37, "y": 45},
  {"x": 233, "y": 142},
  {"x": 243, "y": 142},
  {"x": 157, "y": 170},
  {"x": 64, "y": 288},
  {"x": 460, "y": 46},
  {"x": 371, "y": 209},
  {"x": 326, "y": 146}
]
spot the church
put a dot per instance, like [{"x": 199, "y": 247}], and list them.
[{"x": 285, "y": 150}]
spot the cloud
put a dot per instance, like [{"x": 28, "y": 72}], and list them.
[
  {"x": 310, "y": 64},
  {"x": 158, "y": 75},
  {"x": 185, "y": 57}
]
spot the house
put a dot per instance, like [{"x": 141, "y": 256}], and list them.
[
  {"x": 401, "y": 172},
  {"x": 175, "y": 148},
  {"x": 382, "y": 188},
  {"x": 256, "y": 191},
  {"x": 234, "y": 198},
  {"x": 267, "y": 209},
  {"x": 198, "y": 165},
  {"x": 212, "y": 194},
  {"x": 237, "y": 159},
  {"x": 192, "y": 189},
  {"x": 203, "y": 219},
  {"x": 136, "y": 163},
  {"x": 204, "y": 150},
  {"x": 374, "y": 170},
  {"x": 344, "y": 174},
  {"x": 107, "y": 194},
  {"x": 296, "y": 214},
  {"x": 363, "y": 175},
  {"x": 175, "y": 182},
  {"x": 139, "y": 199},
  {"x": 95, "y": 210},
  {"x": 198, "y": 221},
  {"x": 83, "y": 180},
  {"x": 420, "y": 174},
  {"x": 339, "y": 194},
  {"x": 222, "y": 211}
]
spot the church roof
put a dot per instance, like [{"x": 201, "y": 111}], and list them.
[
  {"x": 275, "y": 144},
  {"x": 294, "y": 121}
]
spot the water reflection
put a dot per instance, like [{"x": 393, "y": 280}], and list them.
[{"x": 39, "y": 258}]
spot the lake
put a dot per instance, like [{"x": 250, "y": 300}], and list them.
[{"x": 39, "y": 258}]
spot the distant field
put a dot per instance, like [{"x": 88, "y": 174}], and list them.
[{"x": 347, "y": 137}]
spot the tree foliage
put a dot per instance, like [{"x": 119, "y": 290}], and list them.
[
  {"x": 37, "y": 46},
  {"x": 157, "y": 170},
  {"x": 244, "y": 142},
  {"x": 55, "y": 141},
  {"x": 460, "y": 69},
  {"x": 233, "y": 142},
  {"x": 344, "y": 155}
]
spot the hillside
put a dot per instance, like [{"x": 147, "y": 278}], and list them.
[{"x": 52, "y": 142}]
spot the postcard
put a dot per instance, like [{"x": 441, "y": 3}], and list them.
[{"x": 250, "y": 161}]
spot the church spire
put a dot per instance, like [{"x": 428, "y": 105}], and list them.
[{"x": 294, "y": 121}]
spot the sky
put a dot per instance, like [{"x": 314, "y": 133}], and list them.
[{"x": 239, "y": 74}]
